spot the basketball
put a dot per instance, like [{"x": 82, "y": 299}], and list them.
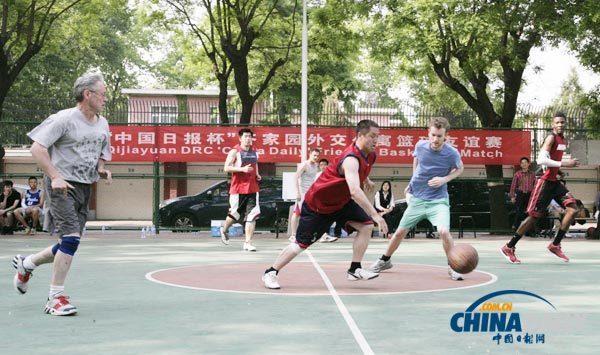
[{"x": 463, "y": 258}]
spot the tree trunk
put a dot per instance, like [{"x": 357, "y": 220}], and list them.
[
  {"x": 223, "y": 114},
  {"x": 498, "y": 213},
  {"x": 241, "y": 77}
]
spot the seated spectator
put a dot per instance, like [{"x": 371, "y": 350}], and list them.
[
  {"x": 384, "y": 203},
  {"x": 9, "y": 202},
  {"x": 32, "y": 203}
]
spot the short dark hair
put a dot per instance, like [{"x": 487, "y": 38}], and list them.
[
  {"x": 32, "y": 178},
  {"x": 365, "y": 125},
  {"x": 318, "y": 150},
  {"x": 324, "y": 161},
  {"x": 245, "y": 130},
  {"x": 524, "y": 158},
  {"x": 7, "y": 183},
  {"x": 439, "y": 122},
  {"x": 560, "y": 114}
]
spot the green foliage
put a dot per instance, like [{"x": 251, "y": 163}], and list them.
[
  {"x": 478, "y": 49},
  {"x": 97, "y": 34}
]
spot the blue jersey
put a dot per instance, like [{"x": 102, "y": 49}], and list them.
[
  {"x": 432, "y": 163},
  {"x": 33, "y": 198}
]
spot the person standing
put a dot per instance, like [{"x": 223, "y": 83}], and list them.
[
  {"x": 9, "y": 203},
  {"x": 520, "y": 190},
  {"x": 384, "y": 202},
  {"x": 242, "y": 163},
  {"x": 31, "y": 205},
  {"x": 71, "y": 147},
  {"x": 338, "y": 195},
  {"x": 548, "y": 187},
  {"x": 305, "y": 177},
  {"x": 435, "y": 164}
]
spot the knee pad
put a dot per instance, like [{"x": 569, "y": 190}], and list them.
[
  {"x": 55, "y": 248},
  {"x": 69, "y": 244}
]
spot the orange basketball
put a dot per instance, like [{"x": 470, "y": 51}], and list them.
[{"x": 463, "y": 258}]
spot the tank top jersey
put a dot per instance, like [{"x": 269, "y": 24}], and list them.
[
  {"x": 244, "y": 183},
  {"x": 556, "y": 153},
  {"x": 308, "y": 177},
  {"x": 32, "y": 198},
  {"x": 330, "y": 192}
]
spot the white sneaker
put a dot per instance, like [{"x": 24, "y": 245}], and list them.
[
  {"x": 22, "y": 275},
  {"x": 249, "y": 247},
  {"x": 361, "y": 274},
  {"x": 326, "y": 238},
  {"x": 380, "y": 265},
  {"x": 455, "y": 275},
  {"x": 224, "y": 236},
  {"x": 60, "y": 306},
  {"x": 270, "y": 280}
]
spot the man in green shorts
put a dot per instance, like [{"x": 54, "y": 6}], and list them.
[{"x": 435, "y": 164}]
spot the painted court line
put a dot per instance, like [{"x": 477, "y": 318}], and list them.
[{"x": 358, "y": 336}]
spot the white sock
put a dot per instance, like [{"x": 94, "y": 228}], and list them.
[
  {"x": 28, "y": 264},
  {"x": 55, "y": 291}
]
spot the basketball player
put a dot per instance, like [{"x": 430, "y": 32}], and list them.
[
  {"x": 242, "y": 163},
  {"x": 338, "y": 195},
  {"x": 547, "y": 187},
  {"x": 435, "y": 164}
]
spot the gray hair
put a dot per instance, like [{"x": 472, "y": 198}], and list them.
[{"x": 86, "y": 81}]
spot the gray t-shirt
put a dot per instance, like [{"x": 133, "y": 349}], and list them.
[
  {"x": 75, "y": 145},
  {"x": 432, "y": 163}
]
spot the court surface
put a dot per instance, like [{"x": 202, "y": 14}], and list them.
[{"x": 189, "y": 294}]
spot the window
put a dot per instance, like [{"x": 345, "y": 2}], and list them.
[{"x": 164, "y": 114}]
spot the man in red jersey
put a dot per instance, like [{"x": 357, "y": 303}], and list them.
[
  {"x": 547, "y": 188},
  {"x": 338, "y": 195},
  {"x": 242, "y": 163}
]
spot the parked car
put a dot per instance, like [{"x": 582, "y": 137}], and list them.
[
  {"x": 197, "y": 211},
  {"x": 467, "y": 198}
]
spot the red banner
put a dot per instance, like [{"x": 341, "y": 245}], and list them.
[{"x": 283, "y": 144}]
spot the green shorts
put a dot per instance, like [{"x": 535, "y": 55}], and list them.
[{"x": 436, "y": 211}]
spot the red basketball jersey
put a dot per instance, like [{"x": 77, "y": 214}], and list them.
[
  {"x": 330, "y": 192},
  {"x": 244, "y": 183},
  {"x": 556, "y": 153}
]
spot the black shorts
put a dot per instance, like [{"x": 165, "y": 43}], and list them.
[
  {"x": 543, "y": 193},
  {"x": 244, "y": 205},
  {"x": 312, "y": 225}
]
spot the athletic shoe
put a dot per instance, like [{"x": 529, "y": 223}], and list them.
[
  {"x": 557, "y": 250},
  {"x": 22, "y": 276},
  {"x": 60, "y": 306},
  {"x": 455, "y": 275},
  {"x": 27, "y": 230},
  {"x": 270, "y": 280},
  {"x": 509, "y": 254},
  {"x": 224, "y": 236},
  {"x": 249, "y": 247},
  {"x": 326, "y": 238},
  {"x": 361, "y": 274},
  {"x": 380, "y": 265}
]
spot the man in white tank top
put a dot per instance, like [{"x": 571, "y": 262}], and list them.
[{"x": 305, "y": 176}]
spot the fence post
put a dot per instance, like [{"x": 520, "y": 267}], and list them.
[{"x": 156, "y": 195}]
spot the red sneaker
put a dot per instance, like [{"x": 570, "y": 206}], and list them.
[
  {"x": 509, "y": 254},
  {"x": 557, "y": 250}
]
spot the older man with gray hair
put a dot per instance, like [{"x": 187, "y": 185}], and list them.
[{"x": 71, "y": 147}]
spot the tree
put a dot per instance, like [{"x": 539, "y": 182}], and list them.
[
  {"x": 24, "y": 30},
  {"x": 478, "y": 49},
  {"x": 235, "y": 32}
]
